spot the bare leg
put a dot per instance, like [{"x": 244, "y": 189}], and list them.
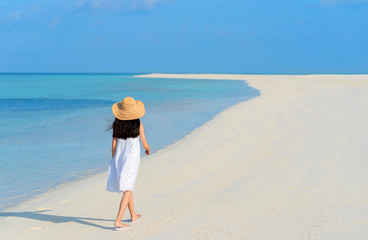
[
  {"x": 123, "y": 204},
  {"x": 133, "y": 215}
]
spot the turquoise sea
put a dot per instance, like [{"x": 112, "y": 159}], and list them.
[{"x": 53, "y": 126}]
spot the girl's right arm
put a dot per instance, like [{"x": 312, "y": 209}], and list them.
[
  {"x": 143, "y": 139},
  {"x": 113, "y": 149}
]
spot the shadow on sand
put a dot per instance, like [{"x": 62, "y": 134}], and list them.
[{"x": 42, "y": 216}]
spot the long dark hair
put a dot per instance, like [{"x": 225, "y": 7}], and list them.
[{"x": 125, "y": 128}]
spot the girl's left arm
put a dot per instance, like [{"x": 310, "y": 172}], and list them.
[{"x": 113, "y": 148}]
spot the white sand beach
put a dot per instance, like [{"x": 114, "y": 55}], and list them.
[{"x": 289, "y": 164}]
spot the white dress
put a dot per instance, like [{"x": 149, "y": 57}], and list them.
[{"x": 123, "y": 168}]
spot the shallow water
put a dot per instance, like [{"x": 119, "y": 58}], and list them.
[{"x": 52, "y": 126}]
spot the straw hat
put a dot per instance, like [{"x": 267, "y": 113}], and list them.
[{"x": 128, "y": 109}]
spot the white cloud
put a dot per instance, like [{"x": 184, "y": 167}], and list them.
[
  {"x": 120, "y": 4},
  {"x": 55, "y": 22},
  {"x": 80, "y": 3},
  {"x": 328, "y": 1},
  {"x": 339, "y": 3},
  {"x": 18, "y": 15}
]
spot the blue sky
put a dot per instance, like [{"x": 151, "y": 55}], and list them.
[{"x": 184, "y": 36}]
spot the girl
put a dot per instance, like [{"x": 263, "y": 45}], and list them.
[{"x": 123, "y": 168}]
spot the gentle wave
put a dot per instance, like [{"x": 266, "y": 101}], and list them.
[{"x": 45, "y": 104}]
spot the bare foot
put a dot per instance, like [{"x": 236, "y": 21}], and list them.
[
  {"x": 136, "y": 217},
  {"x": 119, "y": 224}
]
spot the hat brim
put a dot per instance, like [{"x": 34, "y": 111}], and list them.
[{"x": 121, "y": 115}]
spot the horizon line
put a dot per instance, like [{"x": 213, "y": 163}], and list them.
[{"x": 175, "y": 73}]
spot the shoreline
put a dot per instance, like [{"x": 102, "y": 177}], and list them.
[
  {"x": 63, "y": 186},
  {"x": 63, "y": 176},
  {"x": 274, "y": 161}
]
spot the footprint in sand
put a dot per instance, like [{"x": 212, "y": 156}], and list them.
[{"x": 33, "y": 228}]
